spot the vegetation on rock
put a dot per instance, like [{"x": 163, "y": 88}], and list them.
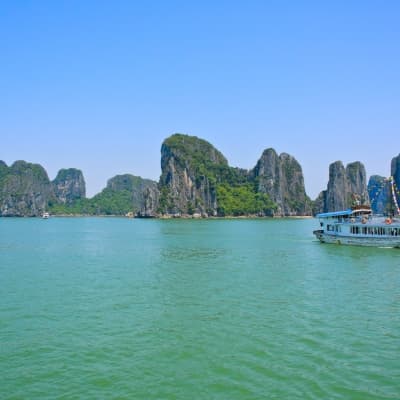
[
  {"x": 243, "y": 200},
  {"x": 123, "y": 195},
  {"x": 25, "y": 189},
  {"x": 196, "y": 178}
]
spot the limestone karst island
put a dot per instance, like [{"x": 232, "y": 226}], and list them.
[{"x": 196, "y": 181}]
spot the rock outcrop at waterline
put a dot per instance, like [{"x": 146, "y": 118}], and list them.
[
  {"x": 281, "y": 177},
  {"x": 196, "y": 179},
  {"x": 150, "y": 201},
  {"x": 379, "y": 193},
  {"x": 190, "y": 171},
  {"x": 395, "y": 170},
  {"x": 380, "y": 189},
  {"x": 25, "y": 189},
  {"x": 69, "y": 186},
  {"x": 136, "y": 195},
  {"x": 346, "y": 187}
]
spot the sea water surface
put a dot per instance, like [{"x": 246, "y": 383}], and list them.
[{"x": 194, "y": 309}]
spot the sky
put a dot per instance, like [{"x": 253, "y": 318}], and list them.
[{"x": 98, "y": 85}]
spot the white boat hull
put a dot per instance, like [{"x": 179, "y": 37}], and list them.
[{"x": 383, "y": 241}]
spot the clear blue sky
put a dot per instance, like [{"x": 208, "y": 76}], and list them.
[{"x": 98, "y": 85}]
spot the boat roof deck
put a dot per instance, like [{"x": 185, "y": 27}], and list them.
[{"x": 335, "y": 213}]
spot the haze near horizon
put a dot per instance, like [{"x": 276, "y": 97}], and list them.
[{"x": 98, "y": 86}]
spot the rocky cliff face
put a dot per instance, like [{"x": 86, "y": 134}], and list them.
[
  {"x": 357, "y": 182},
  {"x": 190, "y": 168},
  {"x": 395, "y": 173},
  {"x": 379, "y": 193},
  {"x": 346, "y": 186},
  {"x": 196, "y": 179},
  {"x": 143, "y": 193},
  {"x": 3, "y": 169},
  {"x": 149, "y": 204},
  {"x": 395, "y": 170},
  {"x": 380, "y": 190},
  {"x": 281, "y": 177},
  {"x": 69, "y": 186},
  {"x": 337, "y": 196},
  {"x": 319, "y": 203},
  {"x": 25, "y": 189}
]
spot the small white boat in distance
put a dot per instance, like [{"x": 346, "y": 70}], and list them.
[
  {"x": 45, "y": 215},
  {"x": 357, "y": 226}
]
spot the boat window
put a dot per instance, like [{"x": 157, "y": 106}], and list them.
[{"x": 381, "y": 231}]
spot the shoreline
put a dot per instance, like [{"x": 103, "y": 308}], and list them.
[{"x": 163, "y": 217}]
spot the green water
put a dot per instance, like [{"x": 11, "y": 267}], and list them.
[{"x": 187, "y": 309}]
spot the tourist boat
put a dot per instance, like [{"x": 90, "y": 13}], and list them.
[
  {"x": 45, "y": 215},
  {"x": 357, "y": 226}
]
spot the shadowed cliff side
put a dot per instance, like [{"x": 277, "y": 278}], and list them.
[
  {"x": 395, "y": 170},
  {"x": 379, "y": 193},
  {"x": 346, "y": 186},
  {"x": 380, "y": 189}
]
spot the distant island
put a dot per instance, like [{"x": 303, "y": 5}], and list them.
[{"x": 196, "y": 181}]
